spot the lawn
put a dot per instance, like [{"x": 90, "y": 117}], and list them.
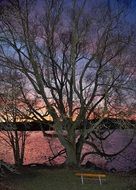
[{"x": 64, "y": 179}]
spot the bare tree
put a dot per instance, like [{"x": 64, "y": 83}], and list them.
[
  {"x": 12, "y": 111},
  {"x": 76, "y": 58}
]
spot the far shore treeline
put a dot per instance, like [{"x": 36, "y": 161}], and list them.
[{"x": 111, "y": 123}]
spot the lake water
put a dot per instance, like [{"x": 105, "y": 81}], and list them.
[{"x": 38, "y": 150}]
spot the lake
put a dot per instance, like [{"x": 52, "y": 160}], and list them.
[{"x": 38, "y": 150}]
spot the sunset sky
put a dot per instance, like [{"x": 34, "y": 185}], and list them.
[{"x": 69, "y": 63}]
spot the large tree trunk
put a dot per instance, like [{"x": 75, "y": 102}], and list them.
[
  {"x": 70, "y": 146},
  {"x": 71, "y": 160},
  {"x": 73, "y": 152},
  {"x": 79, "y": 147},
  {"x": 69, "y": 141}
]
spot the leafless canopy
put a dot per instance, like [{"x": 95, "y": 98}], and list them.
[{"x": 77, "y": 57}]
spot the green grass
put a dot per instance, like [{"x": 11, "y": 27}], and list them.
[{"x": 64, "y": 179}]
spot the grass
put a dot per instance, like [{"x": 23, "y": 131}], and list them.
[{"x": 64, "y": 179}]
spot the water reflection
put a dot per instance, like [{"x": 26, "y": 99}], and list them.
[{"x": 38, "y": 151}]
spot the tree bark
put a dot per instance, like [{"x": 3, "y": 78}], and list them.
[{"x": 71, "y": 160}]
